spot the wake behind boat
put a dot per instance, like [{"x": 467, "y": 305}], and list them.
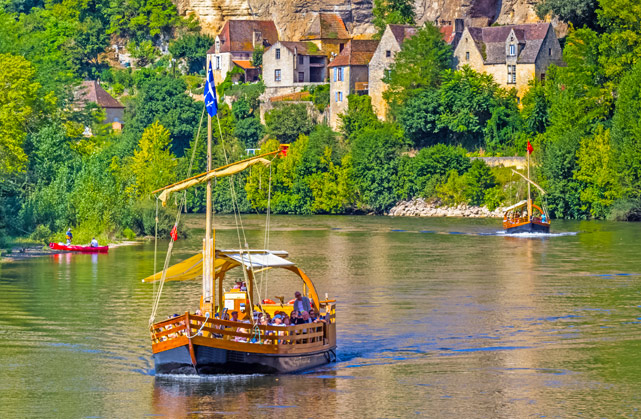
[{"x": 74, "y": 248}]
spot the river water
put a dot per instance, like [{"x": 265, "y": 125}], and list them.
[{"x": 436, "y": 318}]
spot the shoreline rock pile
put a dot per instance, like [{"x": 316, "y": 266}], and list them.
[{"x": 418, "y": 207}]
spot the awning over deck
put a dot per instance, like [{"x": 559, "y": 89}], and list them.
[
  {"x": 520, "y": 204},
  {"x": 192, "y": 267}
]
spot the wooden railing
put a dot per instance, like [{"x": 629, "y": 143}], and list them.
[{"x": 191, "y": 325}]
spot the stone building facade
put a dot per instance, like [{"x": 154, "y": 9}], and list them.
[
  {"x": 348, "y": 74},
  {"x": 382, "y": 59},
  {"x": 290, "y": 66},
  {"x": 90, "y": 91},
  {"x": 514, "y": 54},
  {"x": 234, "y": 47}
]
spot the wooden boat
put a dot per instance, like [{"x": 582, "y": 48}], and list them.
[
  {"x": 84, "y": 249},
  {"x": 525, "y": 216},
  {"x": 207, "y": 343}
]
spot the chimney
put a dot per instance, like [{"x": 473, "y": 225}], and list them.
[{"x": 459, "y": 25}]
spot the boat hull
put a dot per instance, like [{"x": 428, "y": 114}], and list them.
[
  {"x": 531, "y": 227},
  {"x": 210, "y": 360},
  {"x": 82, "y": 249}
]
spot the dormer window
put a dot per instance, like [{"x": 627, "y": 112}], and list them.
[
  {"x": 278, "y": 53},
  {"x": 467, "y": 56},
  {"x": 512, "y": 50},
  {"x": 217, "y": 46}
]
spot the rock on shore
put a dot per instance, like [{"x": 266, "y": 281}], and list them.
[{"x": 417, "y": 207}]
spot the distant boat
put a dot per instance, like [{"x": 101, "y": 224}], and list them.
[
  {"x": 525, "y": 216},
  {"x": 83, "y": 249}
]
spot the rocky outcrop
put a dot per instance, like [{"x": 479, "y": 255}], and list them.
[
  {"x": 293, "y": 16},
  {"x": 418, "y": 207}
]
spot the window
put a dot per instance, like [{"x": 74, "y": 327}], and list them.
[
  {"x": 217, "y": 65},
  {"x": 511, "y": 74},
  {"x": 340, "y": 73},
  {"x": 543, "y": 79},
  {"x": 512, "y": 50},
  {"x": 301, "y": 59},
  {"x": 339, "y": 96},
  {"x": 277, "y": 75},
  {"x": 335, "y": 73},
  {"x": 467, "y": 56},
  {"x": 388, "y": 53},
  {"x": 301, "y": 76},
  {"x": 550, "y": 52},
  {"x": 278, "y": 53}
]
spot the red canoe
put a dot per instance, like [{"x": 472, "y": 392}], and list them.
[{"x": 86, "y": 249}]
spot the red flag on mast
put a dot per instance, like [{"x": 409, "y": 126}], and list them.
[
  {"x": 529, "y": 147},
  {"x": 174, "y": 233}
]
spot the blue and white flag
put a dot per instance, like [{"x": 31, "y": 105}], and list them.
[{"x": 211, "y": 103}]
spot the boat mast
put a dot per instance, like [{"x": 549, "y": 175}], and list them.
[
  {"x": 208, "y": 283},
  {"x": 529, "y": 197}
]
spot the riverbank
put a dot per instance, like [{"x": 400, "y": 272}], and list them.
[
  {"x": 418, "y": 207},
  {"x": 19, "y": 252}
]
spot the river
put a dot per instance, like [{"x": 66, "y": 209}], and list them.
[{"x": 436, "y": 318}]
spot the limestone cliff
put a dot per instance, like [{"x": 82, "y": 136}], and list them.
[{"x": 293, "y": 16}]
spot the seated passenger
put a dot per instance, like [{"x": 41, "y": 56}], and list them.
[
  {"x": 314, "y": 318},
  {"x": 234, "y": 316},
  {"x": 238, "y": 285},
  {"x": 305, "y": 317}
]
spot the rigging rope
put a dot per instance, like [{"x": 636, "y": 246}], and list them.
[{"x": 183, "y": 202}]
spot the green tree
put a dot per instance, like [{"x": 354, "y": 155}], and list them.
[
  {"x": 257, "y": 56},
  {"x": 358, "y": 116},
  {"x": 17, "y": 101},
  {"x": 162, "y": 98},
  {"x": 392, "y": 12},
  {"x": 418, "y": 65},
  {"x": 578, "y": 12},
  {"x": 375, "y": 164},
  {"x": 535, "y": 111},
  {"x": 286, "y": 122},
  {"x": 420, "y": 118},
  {"x": 620, "y": 45},
  {"x": 192, "y": 48},
  {"x": 598, "y": 172},
  {"x": 152, "y": 164},
  {"x": 479, "y": 179}
]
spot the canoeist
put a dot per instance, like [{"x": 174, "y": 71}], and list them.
[
  {"x": 69, "y": 236},
  {"x": 94, "y": 242}
]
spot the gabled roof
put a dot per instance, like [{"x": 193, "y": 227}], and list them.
[
  {"x": 238, "y": 35},
  {"x": 403, "y": 32},
  {"x": 327, "y": 26},
  {"x": 302, "y": 48},
  {"x": 356, "y": 52},
  {"x": 244, "y": 64},
  {"x": 91, "y": 91},
  {"x": 492, "y": 41}
]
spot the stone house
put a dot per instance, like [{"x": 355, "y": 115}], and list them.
[
  {"x": 235, "y": 45},
  {"x": 328, "y": 32},
  {"x": 90, "y": 91},
  {"x": 348, "y": 74},
  {"x": 290, "y": 66},
  {"x": 513, "y": 54},
  {"x": 390, "y": 44}
]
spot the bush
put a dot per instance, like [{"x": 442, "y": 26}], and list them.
[
  {"x": 42, "y": 234},
  {"x": 129, "y": 234},
  {"x": 144, "y": 222},
  {"x": 625, "y": 210}
]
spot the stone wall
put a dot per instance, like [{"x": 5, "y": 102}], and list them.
[
  {"x": 418, "y": 207},
  {"x": 378, "y": 64}
]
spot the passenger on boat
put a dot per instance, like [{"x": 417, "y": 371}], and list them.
[
  {"x": 94, "y": 242},
  {"x": 543, "y": 218},
  {"x": 238, "y": 285},
  {"x": 314, "y": 318},
  {"x": 234, "y": 316},
  {"x": 69, "y": 236},
  {"x": 301, "y": 303}
]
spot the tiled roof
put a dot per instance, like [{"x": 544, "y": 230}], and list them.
[
  {"x": 244, "y": 64},
  {"x": 238, "y": 35},
  {"x": 403, "y": 32},
  {"x": 91, "y": 91},
  {"x": 302, "y": 48},
  {"x": 327, "y": 26},
  {"x": 356, "y": 52},
  {"x": 492, "y": 40}
]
